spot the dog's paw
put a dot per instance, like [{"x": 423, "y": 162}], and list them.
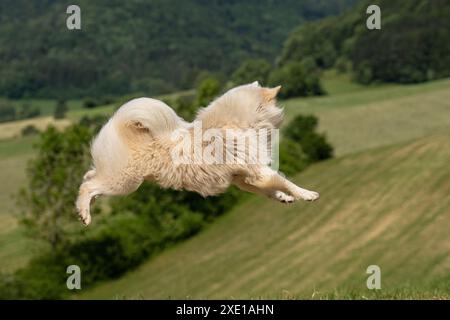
[
  {"x": 283, "y": 197},
  {"x": 309, "y": 195},
  {"x": 85, "y": 217}
]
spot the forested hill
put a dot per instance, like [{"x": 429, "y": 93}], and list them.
[
  {"x": 411, "y": 46},
  {"x": 151, "y": 46}
]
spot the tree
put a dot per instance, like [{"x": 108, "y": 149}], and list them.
[
  {"x": 303, "y": 130},
  {"x": 149, "y": 52},
  {"x": 29, "y": 130},
  {"x": 292, "y": 157},
  {"x": 7, "y": 112},
  {"x": 296, "y": 80},
  {"x": 60, "y": 110},
  {"x": 28, "y": 111},
  {"x": 47, "y": 202},
  {"x": 207, "y": 90},
  {"x": 89, "y": 103},
  {"x": 252, "y": 70}
]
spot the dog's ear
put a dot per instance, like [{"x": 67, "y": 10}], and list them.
[
  {"x": 270, "y": 93},
  {"x": 255, "y": 84}
]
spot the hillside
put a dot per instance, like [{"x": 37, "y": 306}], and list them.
[
  {"x": 155, "y": 46},
  {"x": 387, "y": 206}
]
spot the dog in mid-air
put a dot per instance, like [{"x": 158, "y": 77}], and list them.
[{"x": 138, "y": 143}]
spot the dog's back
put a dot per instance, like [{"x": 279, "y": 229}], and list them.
[{"x": 247, "y": 106}]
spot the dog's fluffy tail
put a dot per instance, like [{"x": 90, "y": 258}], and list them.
[
  {"x": 150, "y": 114},
  {"x": 135, "y": 121}
]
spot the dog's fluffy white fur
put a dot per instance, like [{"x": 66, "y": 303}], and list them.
[{"x": 136, "y": 144}]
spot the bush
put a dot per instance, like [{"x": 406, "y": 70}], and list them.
[
  {"x": 343, "y": 65},
  {"x": 27, "y": 111},
  {"x": 292, "y": 158},
  {"x": 207, "y": 90},
  {"x": 29, "y": 130},
  {"x": 89, "y": 103},
  {"x": 184, "y": 105},
  {"x": 7, "y": 112},
  {"x": 315, "y": 146},
  {"x": 252, "y": 70},
  {"x": 60, "y": 110},
  {"x": 119, "y": 244},
  {"x": 296, "y": 81}
]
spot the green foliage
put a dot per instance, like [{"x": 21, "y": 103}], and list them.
[
  {"x": 9, "y": 113},
  {"x": 292, "y": 157},
  {"x": 93, "y": 122},
  {"x": 412, "y": 45},
  {"x": 150, "y": 46},
  {"x": 54, "y": 176},
  {"x": 343, "y": 65},
  {"x": 315, "y": 146},
  {"x": 90, "y": 103},
  {"x": 187, "y": 104},
  {"x": 296, "y": 81},
  {"x": 29, "y": 130},
  {"x": 207, "y": 90},
  {"x": 119, "y": 244},
  {"x": 185, "y": 107},
  {"x": 27, "y": 111},
  {"x": 60, "y": 110},
  {"x": 160, "y": 205},
  {"x": 252, "y": 70}
]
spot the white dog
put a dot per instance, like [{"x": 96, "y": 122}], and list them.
[{"x": 139, "y": 140}]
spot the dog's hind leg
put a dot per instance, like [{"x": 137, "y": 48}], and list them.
[
  {"x": 89, "y": 190},
  {"x": 271, "y": 183},
  {"x": 95, "y": 185},
  {"x": 268, "y": 192}
]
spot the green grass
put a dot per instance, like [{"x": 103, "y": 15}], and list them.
[
  {"x": 46, "y": 106},
  {"x": 76, "y": 115},
  {"x": 386, "y": 206},
  {"x": 15, "y": 247}
]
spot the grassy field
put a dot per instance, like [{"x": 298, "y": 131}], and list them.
[
  {"x": 387, "y": 207},
  {"x": 368, "y": 126},
  {"x": 15, "y": 248},
  {"x": 356, "y": 118},
  {"x": 46, "y": 106}
]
